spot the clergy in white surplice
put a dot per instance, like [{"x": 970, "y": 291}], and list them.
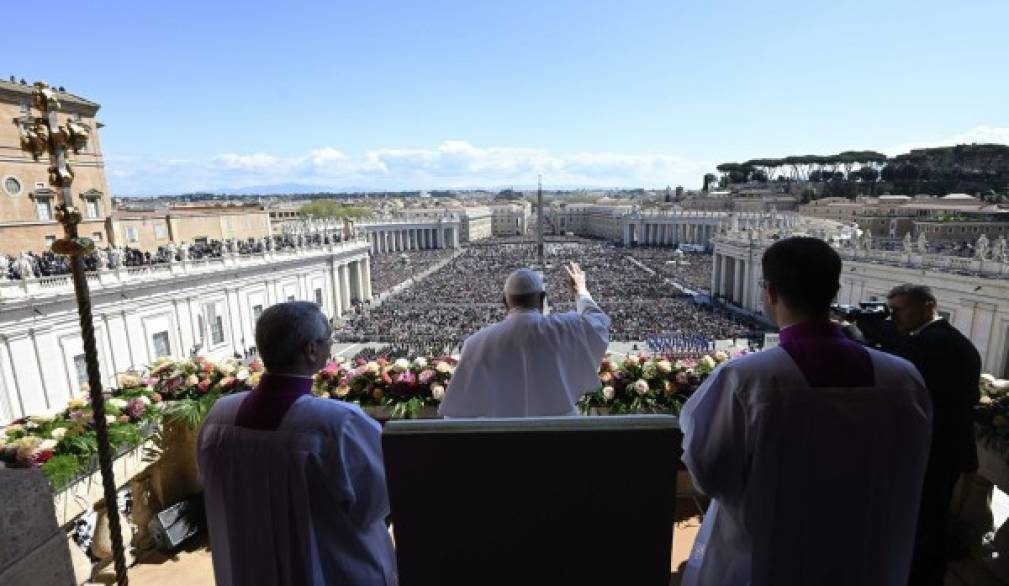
[
  {"x": 294, "y": 485},
  {"x": 813, "y": 451},
  {"x": 531, "y": 364}
]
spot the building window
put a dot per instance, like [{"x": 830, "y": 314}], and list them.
[
  {"x": 318, "y": 296},
  {"x": 44, "y": 208},
  {"x": 92, "y": 208},
  {"x": 26, "y": 107},
  {"x": 12, "y": 186},
  {"x": 50, "y": 239},
  {"x": 97, "y": 236},
  {"x": 215, "y": 318},
  {"x": 160, "y": 231},
  {"x": 162, "y": 345},
  {"x": 257, "y": 310},
  {"x": 131, "y": 234},
  {"x": 81, "y": 368}
]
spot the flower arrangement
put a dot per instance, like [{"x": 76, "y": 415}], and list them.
[
  {"x": 63, "y": 443},
  {"x": 403, "y": 386},
  {"x": 648, "y": 384},
  {"x": 992, "y": 412}
]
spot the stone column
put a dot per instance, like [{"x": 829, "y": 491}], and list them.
[
  {"x": 337, "y": 292},
  {"x": 366, "y": 277},
  {"x": 723, "y": 275},
  {"x": 359, "y": 274},
  {"x": 716, "y": 273},
  {"x": 737, "y": 283},
  {"x": 345, "y": 286}
]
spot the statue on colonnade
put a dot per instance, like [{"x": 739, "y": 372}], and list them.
[
  {"x": 922, "y": 244},
  {"x": 981, "y": 248},
  {"x": 907, "y": 242},
  {"x": 1001, "y": 251}
]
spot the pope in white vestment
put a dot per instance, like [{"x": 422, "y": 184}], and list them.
[
  {"x": 814, "y": 453},
  {"x": 531, "y": 364}
]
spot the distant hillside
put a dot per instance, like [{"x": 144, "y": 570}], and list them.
[{"x": 973, "y": 168}]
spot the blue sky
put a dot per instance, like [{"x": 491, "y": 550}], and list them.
[{"x": 396, "y": 95}]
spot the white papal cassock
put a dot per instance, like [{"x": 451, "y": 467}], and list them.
[
  {"x": 295, "y": 489},
  {"x": 814, "y": 453},
  {"x": 530, "y": 364}
]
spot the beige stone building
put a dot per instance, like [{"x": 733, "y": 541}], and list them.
[
  {"x": 147, "y": 230},
  {"x": 27, "y": 199}
]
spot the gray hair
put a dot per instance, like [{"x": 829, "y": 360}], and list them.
[
  {"x": 920, "y": 294},
  {"x": 284, "y": 329}
]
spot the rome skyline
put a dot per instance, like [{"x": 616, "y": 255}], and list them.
[{"x": 394, "y": 96}]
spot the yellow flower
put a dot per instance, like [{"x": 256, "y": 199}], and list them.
[
  {"x": 341, "y": 391},
  {"x": 75, "y": 403}
]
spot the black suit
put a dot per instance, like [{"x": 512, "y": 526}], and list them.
[{"x": 951, "y": 368}]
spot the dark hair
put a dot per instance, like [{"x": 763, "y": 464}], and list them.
[
  {"x": 283, "y": 330},
  {"x": 805, "y": 273},
  {"x": 920, "y": 294}
]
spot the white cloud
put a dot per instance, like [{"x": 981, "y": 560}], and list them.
[{"x": 453, "y": 163}]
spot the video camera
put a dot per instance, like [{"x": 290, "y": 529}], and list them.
[
  {"x": 865, "y": 311},
  {"x": 872, "y": 325}
]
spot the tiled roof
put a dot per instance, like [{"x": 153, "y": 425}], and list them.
[{"x": 65, "y": 97}]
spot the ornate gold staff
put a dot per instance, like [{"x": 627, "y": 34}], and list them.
[{"x": 75, "y": 135}]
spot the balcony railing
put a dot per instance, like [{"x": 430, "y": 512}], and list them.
[{"x": 111, "y": 278}]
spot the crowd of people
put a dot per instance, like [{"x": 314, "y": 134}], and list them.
[
  {"x": 691, "y": 269},
  {"x": 48, "y": 264},
  {"x": 389, "y": 270},
  {"x": 445, "y": 307}
]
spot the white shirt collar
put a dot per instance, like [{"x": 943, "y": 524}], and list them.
[{"x": 918, "y": 331}]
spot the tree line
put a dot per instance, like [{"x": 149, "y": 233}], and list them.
[{"x": 974, "y": 168}]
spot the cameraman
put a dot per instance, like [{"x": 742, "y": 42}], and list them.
[{"x": 951, "y": 368}]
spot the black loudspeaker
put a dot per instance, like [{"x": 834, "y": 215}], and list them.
[{"x": 173, "y": 526}]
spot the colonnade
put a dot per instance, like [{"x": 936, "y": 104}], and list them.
[
  {"x": 400, "y": 238},
  {"x": 735, "y": 279},
  {"x": 668, "y": 233},
  {"x": 351, "y": 284}
]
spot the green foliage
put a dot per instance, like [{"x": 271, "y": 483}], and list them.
[
  {"x": 61, "y": 470},
  {"x": 122, "y": 435},
  {"x": 190, "y": 412},
  {"x": 322, "y": 208}
]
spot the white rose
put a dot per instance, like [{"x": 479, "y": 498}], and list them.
[
  {"x": 986, "y": 400},
  {"x": 708, "y": 361},
  {"x": 438, "y": 392},
  {"x": 401, "y": 365},
  {"x": 641, "y": 387},
  {"x": 117, "y": 403},
  {"x": 721, "y": 356},
  {"x": 243, "y": 373},
  {"x": 609, "y": 393},
  {"x": 372, "y": 367},
  {"x": 144, "y": 399},
  {"x": 48, "y": 444},
  {"x": 664, "y": 366},
  {"x": 58, "y": 433},
  {"x": 443, "y": 367},
  {"x": 45, "y": 416},
  {"x": 110, "y": 419},
  {"x": 420, "y": 362},
  {"x": 631, "y": 360},
  {"x": 192, "y": 380}
]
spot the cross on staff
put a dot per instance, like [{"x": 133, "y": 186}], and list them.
[{"x": 75, "y": 135}]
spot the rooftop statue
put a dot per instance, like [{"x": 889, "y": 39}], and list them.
[{"x": 981, "y": 249}]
